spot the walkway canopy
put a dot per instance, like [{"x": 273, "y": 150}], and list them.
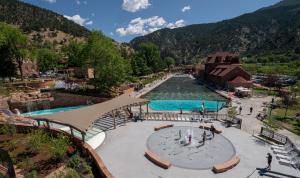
[{"x": 83, "y": 118}]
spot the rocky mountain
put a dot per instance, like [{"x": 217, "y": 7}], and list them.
[
  {"x": 274, "y": 28},
  {"x": 39, "y": 23}
]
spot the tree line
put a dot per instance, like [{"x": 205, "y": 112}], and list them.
[{"x": 111, "y": 66}]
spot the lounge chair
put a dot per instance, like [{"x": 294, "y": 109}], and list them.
[
  {"x": 283, "y": 152},
  {"x": 295, "y": 162},
  {"x": 290, "y": 156},
  {"x": 283, "y": 147}
]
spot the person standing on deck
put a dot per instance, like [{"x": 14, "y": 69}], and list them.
[
  {"x": 269, "y": 159},
  {"x": 240, "y": 110},
  {"x": 251, "y": 110}
]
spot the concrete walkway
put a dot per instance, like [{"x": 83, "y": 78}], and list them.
[
  {"x": 123, "y": 153},
  {"x": 252, "y": 125}
]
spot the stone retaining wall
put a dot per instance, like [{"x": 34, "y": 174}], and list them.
[{"x": 59, "y": 100}]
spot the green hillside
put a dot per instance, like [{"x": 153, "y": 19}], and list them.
[
  {"x": 272, "y": 29},
  {"x": 31, "y": 18}
]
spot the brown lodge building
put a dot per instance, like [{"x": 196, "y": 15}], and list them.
[{"x": 224, "y": 70}]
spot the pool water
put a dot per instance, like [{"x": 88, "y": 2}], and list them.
[
  {"x": 183, "y": 92},
  {"x": 51, "y": 111},
  {"x": 185, "y": 105}
]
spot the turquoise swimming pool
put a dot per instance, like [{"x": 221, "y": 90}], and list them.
[
  {"x": 51, "y": 111},
  {"x": 185, "y": 105},
  {"x": 184, "y": 93}
]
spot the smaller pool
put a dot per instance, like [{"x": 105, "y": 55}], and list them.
[
  {"x": 185, "y": 105},
  {"x": 51, "y": 111}
]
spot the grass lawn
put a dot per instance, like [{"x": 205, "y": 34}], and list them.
[{"x": 289, "y": 122}]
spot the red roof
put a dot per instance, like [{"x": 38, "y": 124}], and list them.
[
  {"x": 239, "y": 79},
  {"x": 220, "y": 57},
  {"x": 222, "y": 70}
]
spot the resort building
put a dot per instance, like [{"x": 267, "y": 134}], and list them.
[{"x": 224, "y": 69}]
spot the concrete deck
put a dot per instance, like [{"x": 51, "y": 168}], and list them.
[{"x": 123, "y": 153}]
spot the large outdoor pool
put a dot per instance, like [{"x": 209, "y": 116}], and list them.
[
  {"x": 183, "y": 93},
  {"x": 51, "y": 111}
]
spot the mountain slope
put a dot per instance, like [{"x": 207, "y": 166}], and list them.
[
  {"x": 275, "y": 28},
  {"x": 31, "y": 18}
]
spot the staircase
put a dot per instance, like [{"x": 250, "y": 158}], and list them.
[{"x": 106, "y": 122}]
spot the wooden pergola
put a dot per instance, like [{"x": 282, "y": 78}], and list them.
[{"x": 82, "y": 119}]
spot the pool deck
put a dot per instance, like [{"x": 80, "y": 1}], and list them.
[{"x": 123, "y": 153}]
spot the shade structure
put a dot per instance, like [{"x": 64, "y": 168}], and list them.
[{"x": 83, "y": 118}]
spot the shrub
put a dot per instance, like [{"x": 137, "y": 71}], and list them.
[
  {"x": 12, "y": 144},
  {"x": 232, "y": 112},
  {"x": 87, "y": 168},
  {"x": 59, "y": 146},
  {"x": 8, "y": 129},
  {"x": 74, "y": 161},
  {"x": 71, "y": 173},
  {"x": 31, "y": 174},
  {"x": 37, "y": 139}
]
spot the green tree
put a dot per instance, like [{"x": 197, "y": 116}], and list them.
[
  {"x": 139, "y": 66},
  {"x": 47, "y": 59},
  {"x": 169, "y": 62},
  {"x": 151, "y": 54},
  {"x": 110, "y": 68},
  {"x": 17, "y": 43},
  {"x": 13, "y": 45},
  {"x": 74, "y": 52}
]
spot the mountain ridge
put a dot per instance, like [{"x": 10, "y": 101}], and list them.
[
  {"x": 32, "y": 19},
  {"x": 273, "y": 28}
]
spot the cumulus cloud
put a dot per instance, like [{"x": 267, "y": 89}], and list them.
[
  {"x": 177, "y": 24},
  {"x": 89, "y": 22},
  {"x": 135, "y": 5},
  {"x": 50, "y": 1},
  {"x": 140, "y": 26},
  {"x": 79, "y": 20},
  {"x": 186, "y": 8}
]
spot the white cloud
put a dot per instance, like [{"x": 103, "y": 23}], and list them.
[
  {"x": 177, "y": 24},
  {"x": 50, "y": 1},
  {"x": 140, "y": 26},
  {"x": 89, "y": 23},
  {"x": 135, "y": 5},
  {"x": 186, "y": 8},
  {"x": 78, "y": 2},
  {"x": 79, "y": 20}
]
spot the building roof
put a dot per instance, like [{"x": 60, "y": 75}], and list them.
[
  {"x": 238, "y": 80},
  {"x": 221, "y": 57},
  {"x": 222, "y": 70},
  {"x": 83, "y": 118}
]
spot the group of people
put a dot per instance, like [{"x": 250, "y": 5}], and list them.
[
  {"x": 240, "y": 110},
  {"x": 204, "y": 135}
]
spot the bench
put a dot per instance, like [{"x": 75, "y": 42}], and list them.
[
  {"x": 157, "y": 160},
  {"x": 163, "y": 127},
  {"x": 219, "y": 168},
  {"x": 208, "y": 126}
]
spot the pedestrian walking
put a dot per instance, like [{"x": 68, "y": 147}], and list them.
[
  {"x": 269, "y": 159},
  {"x": 251, "y": 110},
  {"x": 203, "y": 137},
  {"x": 213, "y": 130},
  {"x": 240, "y": 110}
]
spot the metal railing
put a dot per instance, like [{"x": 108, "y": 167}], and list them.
[{"x": 274, "y": 136}]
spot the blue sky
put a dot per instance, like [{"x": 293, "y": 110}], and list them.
[{"x": 125, "y": 19}]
